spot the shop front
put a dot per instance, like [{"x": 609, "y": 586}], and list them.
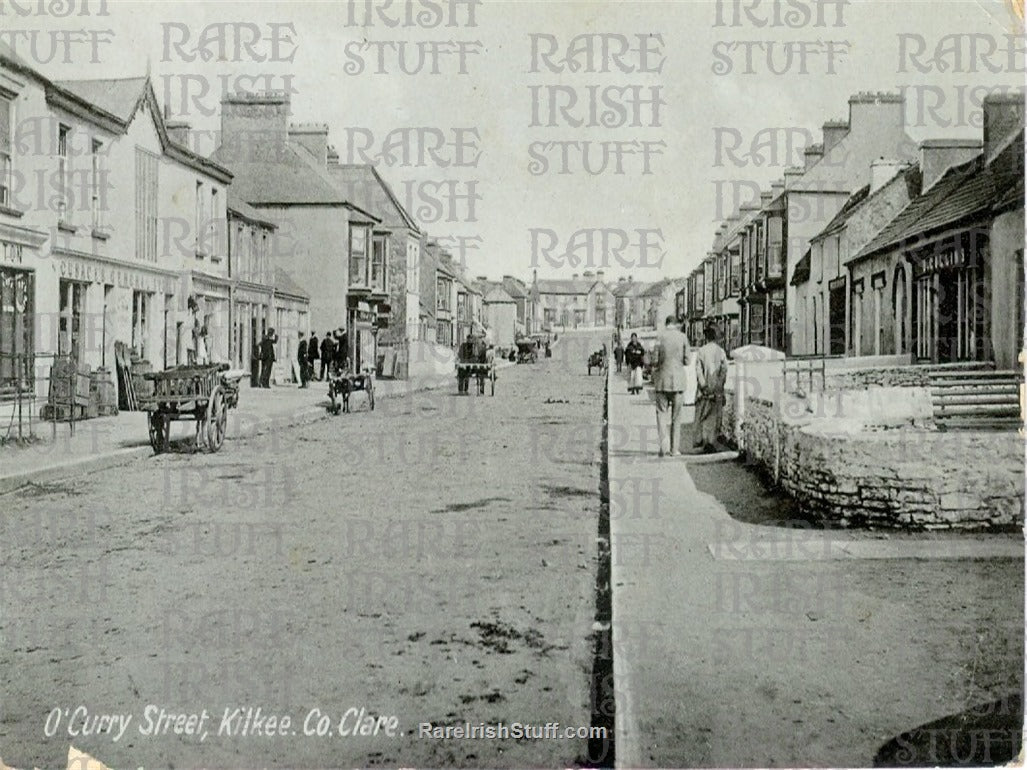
[
  {"x": 211, "y": 295},
  {"x": 18, "y": 303},
  {"x": 951, "y": 307},
  {"x": 102, "y": 301},
  {"x": 251, "y": 314}
]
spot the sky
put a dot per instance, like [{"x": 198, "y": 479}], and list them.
[{"x": 495, "y": 192}]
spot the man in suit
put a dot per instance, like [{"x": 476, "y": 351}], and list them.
[
  {"x": 327, "y": 355},
  {"x": 267, "y": 357},
  {"x": 301, "y": 360},
  {"x": 670, "y": 354},
  {"x": 313, "y": 354},
  {"x": 711, "y": 376}
]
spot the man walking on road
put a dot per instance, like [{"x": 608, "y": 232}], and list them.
[
  {"x": 670, "y": 354},
  {"x": 711, "y": 375}
]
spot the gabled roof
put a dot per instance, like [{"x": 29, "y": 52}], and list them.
[
  {"x": 118, "y": 97},
  {"x": 359, "y": 181},
  {"x": 514, "y": 288},
  {"x": 657, "y": 289},
  {"x": 285, "y": 284},
  {"x": 114, "y": 103},
  {"x": 630, "y": 289},
  {"x": 846, "y": 211},
  {"x": 497, "y": 295}
]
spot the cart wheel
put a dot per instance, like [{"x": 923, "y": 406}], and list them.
[
  {"x": 160, "y": 429},
  {"x": 216, "y": 420}
]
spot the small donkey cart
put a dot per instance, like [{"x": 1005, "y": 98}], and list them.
[
  {"x": 202, "y": 393},
  {"x": 341, "y": 386}
]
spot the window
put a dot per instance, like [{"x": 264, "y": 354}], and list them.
[
  {"x": 63, "y": 169},
  {"x": 198, "y": 225},
  {"x": 6, "y": 154},
  {"x": 378, "y": 247},
  {"x": 96, "y": 202},
  {"x": 358, "y": 255},
  {"x": 69, "y": 338},
  {"x": 212, "y": 225},
  {"x": 140, "y": 323},
  {"x": 146, "y": 205},
  {"x": 442, "y": 294},
  {"x": 16, "y": 343}
]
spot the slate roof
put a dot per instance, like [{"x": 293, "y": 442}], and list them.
[
  {"x": 657, "y": 289},
  {"x": 963, "y": 192},
  {"x": 498, "y": 295},
  {"x": 565, "y": 285},
  {"x": 118, "y": 97},
  {"x": 514, "y": 288},
  {"x": 284, "y": 283},
  {"x": 246, "y": 211},
  {"x": 846, "y": 211},
  {"x": 358, "y": 183},
  {"x": 278, "y": 173},
  {"x": 802, "y": 269}
]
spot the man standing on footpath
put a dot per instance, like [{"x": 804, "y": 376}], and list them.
[
  {"x": 301, "y": 360},
  {"x": 327, "y": 356},
  {"x": 267, "y": 357},
  {"x": 670, "y": 354},
  {"x": 711, "y": 375},
  {"x": 313, "y": 354}
]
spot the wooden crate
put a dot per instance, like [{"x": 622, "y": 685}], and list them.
[{"x": 62, "y": 412}]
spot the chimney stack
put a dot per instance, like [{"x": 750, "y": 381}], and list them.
[
  {"x": 870, "y": 110},
  {"x": 812, "y": 155},
  {"x": 599, "y": 275},
  {"x": 939, "y": 155},
  {"x": 313, "y": 137},
  {"x": 792, "y": 175},
  {"x": 834, "y": 131},
  {"x": 251, "y": 122},
  {"x": 333, "y": 156},
  {"x": 883, "y": 170},
  {"x": 574, "y": 276},
  {"x": 1003, "y": 116}
]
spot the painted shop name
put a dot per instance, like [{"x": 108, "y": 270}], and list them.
[{"x": 126, "y": 279}]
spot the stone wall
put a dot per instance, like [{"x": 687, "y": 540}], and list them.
[
  {"x": 879, "y": 377},
  {"x": 907, "y": 478}
]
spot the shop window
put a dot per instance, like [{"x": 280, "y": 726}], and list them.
[
  {"x": 72, "y": 301},
  {"x": 6, "y": 154},
  {"x": 16, "y": 325},
  {"x": 140, "y": 323}
]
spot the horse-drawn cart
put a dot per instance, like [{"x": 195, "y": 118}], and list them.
[
  {"x": 480, "y": 371},
  {"x": 202, "y": 393},
  {"x": 341, "y": 386},
  {"x": 527, "y": 350}
]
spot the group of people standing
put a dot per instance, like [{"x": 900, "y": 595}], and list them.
[
  {"x": 332, "y": 353},
  {"x": 670, "y": 357}
]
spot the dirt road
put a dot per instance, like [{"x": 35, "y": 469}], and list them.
[{"x": 430, "y": 562}]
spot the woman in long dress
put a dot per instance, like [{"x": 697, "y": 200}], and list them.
[{"x": 634, "y": 357}]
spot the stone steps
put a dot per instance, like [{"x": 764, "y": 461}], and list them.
[{"x": 977, "y": 399}]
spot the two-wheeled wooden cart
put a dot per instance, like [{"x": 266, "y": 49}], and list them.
[
  {"x": 479, "y": 371},
  {"x": 201, "y": 393},
  {"x": 342, "y": 386}
]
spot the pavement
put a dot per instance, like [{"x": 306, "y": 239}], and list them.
[
  {"x": 90, "y": 445},
  {"x": 740, "y": 645}
]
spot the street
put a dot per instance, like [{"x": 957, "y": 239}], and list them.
[{"x": 432, "y": 561}]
